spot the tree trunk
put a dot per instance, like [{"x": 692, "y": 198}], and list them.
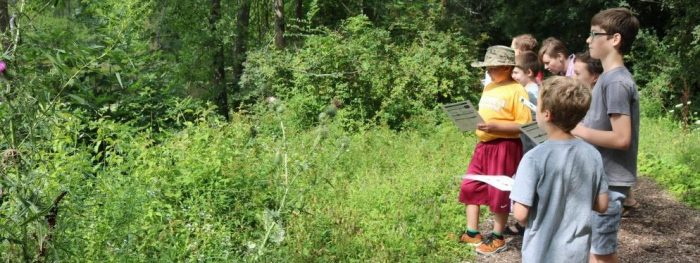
[
  {"x": 279, "y": 24},
  {"x": 239, "y": 47},
  {"x": 300, "y": 10},
  {"x": 4, "y": 16},
  {"x": 218, "y": 82},
  {"x": 156, "y": 44},
  {"x": 685, "y": 109},
  {"x": 443, "y": 3}
]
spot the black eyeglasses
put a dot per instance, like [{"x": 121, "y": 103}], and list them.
[{"x": 594, "y": 34}]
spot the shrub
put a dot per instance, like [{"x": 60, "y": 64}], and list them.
[{"x": 359, "y": 67}]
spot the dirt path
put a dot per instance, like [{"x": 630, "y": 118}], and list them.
[{"x": 661, "y": 230}]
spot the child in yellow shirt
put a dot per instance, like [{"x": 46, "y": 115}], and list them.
[{"x": 499, "y": 149}]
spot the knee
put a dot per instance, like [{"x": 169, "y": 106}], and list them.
[{"x": 611, "y": 258}]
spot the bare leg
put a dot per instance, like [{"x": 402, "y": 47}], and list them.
[
  {"x": 473, "y": 217},
  {"x": 499, "y": 222},
  {"x": 611, "y": 258},
  {"x": 630, "y": 201}
]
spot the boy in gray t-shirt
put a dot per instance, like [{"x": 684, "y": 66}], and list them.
[
  {"x": 612, "y": 123},
  {"x": 559, "y": 182}
]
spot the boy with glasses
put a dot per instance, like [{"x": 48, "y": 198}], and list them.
[{"x": 612, "y": 122}]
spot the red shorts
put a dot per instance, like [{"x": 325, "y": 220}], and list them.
[{"x": 496, "y": 157}]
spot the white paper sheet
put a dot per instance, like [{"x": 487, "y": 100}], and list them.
[{"x": 501, "y": 182}]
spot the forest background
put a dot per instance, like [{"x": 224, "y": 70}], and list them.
[{"x": 306, "y": 130}]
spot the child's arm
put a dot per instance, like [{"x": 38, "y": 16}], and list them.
[
  {"x": 619, "y": 138},
  {"x": 520, "y": 211},
  {"x": 524, "y": 192},
  {"x": 601, "y": 203},
  {"x": 499, "y": 127}
]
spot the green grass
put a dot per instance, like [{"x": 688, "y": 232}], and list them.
[
  {"x": 671, "y": 156},
  {"x": 258, "y": 189},
  {"x": 389, "y": 197}
]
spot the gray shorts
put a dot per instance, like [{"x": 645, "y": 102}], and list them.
[{"x": 606, "y": 225}]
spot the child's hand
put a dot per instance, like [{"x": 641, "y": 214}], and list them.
[
  {"x": 578, "y": 130},
  {"x": 487, "y": 127}
]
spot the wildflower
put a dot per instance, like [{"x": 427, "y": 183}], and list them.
[{"x": 271, "y": 100}]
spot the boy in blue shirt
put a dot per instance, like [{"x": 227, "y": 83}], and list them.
[{"x": 559, "y": 182}]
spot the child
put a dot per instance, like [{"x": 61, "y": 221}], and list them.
[
  {"x": 520, "y": 43},
  {"x": 560, "y": 181},
  {"x": 499, "y": 149},
  {"x": 587, "y": 69},
  {"x": 612, "y": 122},
  {"x": 553, "y": 55},
  {"x": 524, "y": 43},
  {"x": 527, "y": 67}
]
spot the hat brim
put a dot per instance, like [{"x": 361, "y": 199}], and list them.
[{"x": 481, "y": 64}]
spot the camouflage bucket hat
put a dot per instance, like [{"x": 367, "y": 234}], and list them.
[{"x": 497, "y": 56}]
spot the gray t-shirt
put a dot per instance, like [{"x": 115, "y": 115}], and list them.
[
  {"x": 559, "y": 181},
  {"x": 616, "y": 93}
]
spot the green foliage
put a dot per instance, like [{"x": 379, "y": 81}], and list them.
[
  {"x": 252, "y": 189},
  {"x": 101, "y": 101},
  {"x": 663, "y": 80},
  {"x": 674, "y": 163},
  {"x": 661, "y": 66},
  {"x": 377, "y": 205},
  {"x": 215, "y": 191},
  {"x": 547, "y": 19},
  {"x": 98, "y": 60},
  {"x": 358, "y": 66},
  {"x": 653, "y": 71},
  {"x": 29, "y": 185}
]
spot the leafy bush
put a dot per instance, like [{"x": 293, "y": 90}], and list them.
[
  {"x": 358, "y": 66},
  {"x": 103, "y": 161},
  {"x": 251, "y": 189},
  {"x": 654, "y": 69},
  {"x": 665, "y": 75}
]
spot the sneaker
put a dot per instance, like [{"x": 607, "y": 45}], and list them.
[
  {"x": 474, "y": 241},
  {"x": 514, "y": 230},
  {"x": 491, "y": 245}
]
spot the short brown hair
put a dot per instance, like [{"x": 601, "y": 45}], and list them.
[
  {"x": 620, "y": 21},
  {"x": 552, "y": 46},
  {"x": 593, "y": 65},
  {"x": 525, "y": 42},
  {"x": 566, "y": 99},
  {"x": 528, "y": 61}
]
